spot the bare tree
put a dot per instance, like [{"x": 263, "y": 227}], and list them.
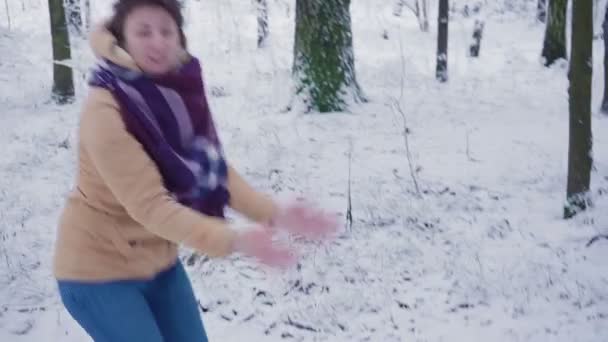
[
  {"x": 419, "y": 8},
  {"x": 74, "y": 16},
  {"x": 8, "y": 14},
  {"x": 442, "y": 42},
  {"x": 262, "y": 9},
  {"x": 87, "y": 15},
  {"x": 541, "y": 11},
  {"x": 398, "y": 11},
  {"x": 63, "y": 83},
  {"x": 324, "y": 61},
  {"x": 477, "y": 35},
  {"x": 580, "y": 142},
  {"x": 554, "y": 46},
  {"x": 604, "y": 108},
  {"x": 423, "y": 18}
]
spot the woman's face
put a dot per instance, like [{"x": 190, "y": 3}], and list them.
[{"x": 152, "y": 39}]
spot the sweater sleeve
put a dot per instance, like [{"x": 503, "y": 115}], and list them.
[{"x": 133, "y": 178}]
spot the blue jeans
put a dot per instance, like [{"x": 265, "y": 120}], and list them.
[{"x": 162, "y": 309}]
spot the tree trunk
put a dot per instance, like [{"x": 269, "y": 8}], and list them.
[
  {"x": 63, "y": 84},
  {"x": 8, "y": 14},
  {"x": 74, "y": 16},
  {"x": 87, "y": 15},
  {"x": 541, "y": 11},
  {"x": 442, "y": 42},
  {"x": 554, "y": 46},
  {"x": 424, "y": 20},
  {"x": 262, "y": 9},
  {"x": 324, "y": 62},
  {"x": 605, "y": 35},
  {"x": 580, "y": 144},
  {"x": 398, "y": 10},
  {"x": 477, "y": 35}
]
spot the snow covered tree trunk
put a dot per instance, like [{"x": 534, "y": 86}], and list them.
[
  {"x": 63, "y": 83},
  {"x": 605, "y": 35},
  {"x": 477, "y": 35},
  {"x": 324, "y": 62},
  {"x": 262, "y": 9},
  {"x": 424, "y": 18},
  {"x": 541, "y": 11},
  {"x": 74, "y": 16},
  {"x": 87, "y": 15},
  {"x": 398, "y": 10},
  {"x": 8, "y": 14},
  {"x": 554, "y": 46},
  {"x": 580, "y": 144},
  {"x": 442, "y": 42}
]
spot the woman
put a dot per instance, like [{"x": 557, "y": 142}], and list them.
[{"x": 152, "y": 176}]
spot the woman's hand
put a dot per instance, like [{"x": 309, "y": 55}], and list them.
[
  {"x": 301, "y": 218},
  {"x": 258, "y": 243}
]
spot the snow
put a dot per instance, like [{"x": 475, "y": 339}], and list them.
[{"x": 481, "y": 253}]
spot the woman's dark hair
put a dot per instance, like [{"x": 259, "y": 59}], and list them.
[{"x": 122, "y": 9}]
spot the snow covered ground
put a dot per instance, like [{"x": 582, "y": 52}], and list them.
[{"x": 478, "y": 253}]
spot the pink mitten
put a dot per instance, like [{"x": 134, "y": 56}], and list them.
[
  {"x": 258, "y": 243},
  {"x": 300, "y": 218}
]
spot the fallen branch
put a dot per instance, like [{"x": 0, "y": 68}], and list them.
[
  {"x": 299, "y": 325},
  {"x": 469, "y": 151},
  {"x": 596, "y": 238}
]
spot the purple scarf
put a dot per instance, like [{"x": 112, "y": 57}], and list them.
[{"x": 170, "y": 117}]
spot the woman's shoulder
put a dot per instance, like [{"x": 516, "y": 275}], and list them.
[
  {"x": 100, "y": 98},
  {"x": 100, "y": 118}
]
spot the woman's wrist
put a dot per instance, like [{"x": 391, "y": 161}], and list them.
[{"x": 274, "y": 215}]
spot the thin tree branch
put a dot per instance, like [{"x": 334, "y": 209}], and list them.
[
  {"x": 8, "y": 14},
  {"x": 349, "y": 205},
  {"x": 595, "y": 239},
  {"x": 398, "y": 108},
  {"x": 411, "y": 7}
]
